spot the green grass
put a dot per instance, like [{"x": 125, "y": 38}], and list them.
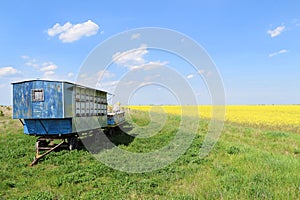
[{"x": 246, "y": 163}]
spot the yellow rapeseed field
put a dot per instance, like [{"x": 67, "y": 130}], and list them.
[{"x": 275, "y": 117}]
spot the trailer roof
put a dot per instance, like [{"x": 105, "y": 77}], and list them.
[
  {"x": 60, "y": 82},
  {"x": 41, "y": 80}
]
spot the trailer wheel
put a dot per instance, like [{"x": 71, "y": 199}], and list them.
[
  {"x": 111, "y": 132},
  {"x": 73, "y": 143}
]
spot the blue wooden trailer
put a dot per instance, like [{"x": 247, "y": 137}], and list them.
[
  {"x": 114, "y": 119},
  {"x": 60, "y": 110}
]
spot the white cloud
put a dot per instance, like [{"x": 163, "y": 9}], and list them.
[
  {"x": 277, "y": 31},
  {"x": 57, "y": 29},
  {"x": 49, "y": 69},
  {"x": 48, "y": 66},
  {"x": 31, "y": 62},
  {"x": 107, "y": 85},
  {"x": 209, "y": 73},
  {"x": 97, "y": 78},
  {"x": 143, "y": 84},
  {"x": 135, "y": 36},
  {"x": 152, "y": 77},
  {"x": 205, "y": 73},
  {"x": 190, "y": 76},
  {"x": 134, "y": 59},
  {"x": 149, "y": 65},
  {"x": 104, "y": 74},
  {"x": 8, "y": 71},
  {"x": 278, "y": 52},
  {"x": 131, "y": 57},
  {"x": 25, "y": 57},
  {"x": 70, "y": 74},
  {"x": 48, "y": 73},
  {"x": 157, "y": 63},
  {"x": 201, "y": 71},
  {"x": 68, "y": 32}
]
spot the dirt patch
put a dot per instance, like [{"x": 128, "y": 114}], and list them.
[{"x": 6, "y": 110}]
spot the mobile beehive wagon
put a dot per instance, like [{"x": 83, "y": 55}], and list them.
[{"x": 57, "y": 110}]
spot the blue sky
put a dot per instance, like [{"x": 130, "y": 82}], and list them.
[{"x": 255, "y": 45}]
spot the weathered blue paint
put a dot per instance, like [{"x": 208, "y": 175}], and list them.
[
  {"x": 110, "y": 120},
  {"x": 115, "y": 118},
  {"x": 25, "y": 108},
  {"x": 56, "y": 113},
  {"x": 22, "y": 107},
  {"x": 47, "y": 126}
]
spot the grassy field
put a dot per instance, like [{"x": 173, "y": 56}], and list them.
[{"x": 246, "y": 163}]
